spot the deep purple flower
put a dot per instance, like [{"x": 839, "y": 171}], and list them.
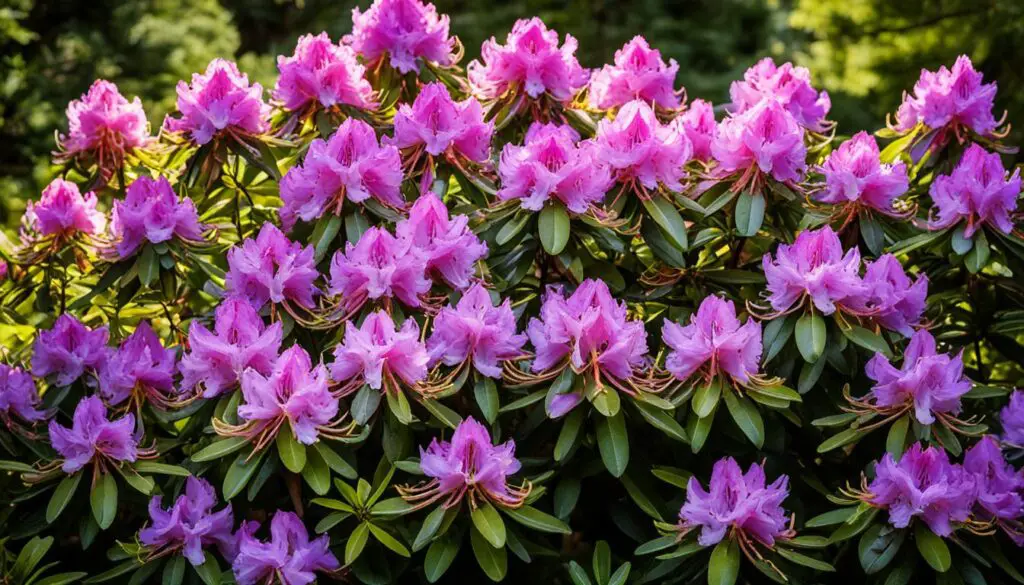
[
  {"x": 1000, "y": 486},
  {"x": 854, "y": 174},
  {"x": 18, "y": 395},
  {"x": 1011, "y": 417},
  {"x": 639, "y": 148},
  {"x": 240, "y": 341},
  {"x": 639, "y": 73},
  {"x": 221, "y": 100},
  {"x": 62, "y": 210},
  {"x": 698, "y": 124},
  {"x": 451, "y": 249},
  {"x": 69, "y": 349},
  {"x": 950, "y": 98},
  {"x": 190, "y": 524},
  {"x": 788, "y": 85},
  {"x": 715, "y": 338},
  {"x": 471, "y": 463},
  {"x": 376, "y": 352},
  {"x": 92, "y": 435},
  {"x": 440, "y": 124},
  {"x": 323, "y": 73},
  {"x": 738, "y": 501},
  {"x": 765, "y": 138},
  {"x": 814, "y": 267},
  {"x": 272, "y": 268},
  {"x": 379, "y": 266},
  {"x": 897, "y": 302},
  {"x": 928, "y": 381},
  {"x": 103, "y": 125},
  {"x": 141, "y": 365},
  {"x": 406, "y": 31},
  {"x": 552, "y": 164},
  {"x": 475, "y": 328},
  {"x": 925, "y": 484},
  {"x": 979, "y": 190},
  {"x": 289, "y": 555},
  {"x": 151, "y": 212}
]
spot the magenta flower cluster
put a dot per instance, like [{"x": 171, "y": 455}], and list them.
[
  {"x": 18, "y": 396},
  {"x": 272, "y": 268},
  {"x": 104, "y": 125},
  {"x": 190, "y": 524},
  {"x": 639, "y": 73},
  {"x": 219, "y": 102},
  {"x": 323, "y": 74},
  {"x": 950, "y": 98},
  {"x": 151, "y": 212},
  {"x": 714, "y": 338},
  {"x": 471, "y": 462},
  {"x": 62, "y": 210},
  {"x": 440, "y": 125},
  {"x": 789, "y": 86},
  {"x": 93, "y": 435},
  {"x": 289, "y": 555},
  {"x": 637, "y": 147},
  {"x": 979, "y": 192},
  {"x": 377, "y": 352},
  {"x": 854, "y": 174},
  {"x": 407, "y": 32}
]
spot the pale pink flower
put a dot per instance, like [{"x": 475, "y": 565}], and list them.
[
  {"x": 854, "y": 174},
  {"x": 639, "y": 73},
  {"x": 697, "y": 123}
]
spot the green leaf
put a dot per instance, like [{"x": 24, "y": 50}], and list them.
[
  {"x": 399, "y": 406},
  {"x": 747, "y": 417},
  {"x": 493, "y": 561},
  {"x": 61, "y": 579},
  {"x": 30, "y": 555},
  {"x": 896, "y": 440},
  {"x": 840, "y": 439},
  {"x": 486, "y": 394},
  {"x": 602, "y": 562},
  {"x": 316, "y": 472},
  {"x": 977, "y": 258},
  {"x": 103, "y": 500},
  {"x": 613, "y": 443},
  {"x": 364, "y": 404},
  {"x": 663, "y": 421},
  {"x": 776, "y": 334},
  {"x": 240, "y": 472},
  {"x": 174, "y": 571},
  {"x": 62, "y": 496},
  {"x": 665, "y": 214},
  {"x": 698, "y": 429},
  {"x": 749, "y": 214},
  {"x": 872, "y": 234},
  {"x": 449, "y": 417},
  {"x": 724, "y": 565},
  {"x": 391, "y": 508},
  {"x": 605, "y": 399},
  {"x": 802, "y": 559},
  {"x": 161, "y": 469},
  {"x": 810, "y": 336},
  {"x": 535, "y": 519},
  {"x": 706, "y": 398},
  {"x": 218, "y": 449},
  {"x": 355, "y": 226},
  {"x": 389, "y": 541},
  {"x": 640, "y": 498},
  {"x": 569, "y": 433},
  {"x": 867, "y": 339},
  {"x": 932, "y": 548},
  {"x": 336, "y": 462},
  {"x": 553, "y": 227},
  {"x": 429, "y": 528},
  {"x": 512, "y": 227},
  {"x": 141, "y": 483},
  {"x": 489, "y": 523},
  {"x": 671, "y": 475},
  {"x": 878, "y": 547},
  {"x": 578, "y": 574},
  {"x": 209, "y": 571},
  {"x": 291, "y": 452},
  {"x": 830, "y": 518},
  {"x": 122, "y": 569},
  {"x": 356, "y": 542},
  {"x": 16, "y": 466},
  {"x": 532, "y": 398},
  {"x": 149, "y": 265},
  {"x": 439, "y": 557},
  {"x": 960, "y": 242},
  {"x": 620, "y": 575},
  {"x": 658, "y": 544},
  {"x": 331, "y": 226}
]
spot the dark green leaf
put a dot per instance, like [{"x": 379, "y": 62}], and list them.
[
  {"x": 61, "y": 496},
  {"x": 613, "y": 443},
  {"x": 810, "y": 336},
  {"x": 724, "y": 565},
  {"x": 553, "y": 227}
]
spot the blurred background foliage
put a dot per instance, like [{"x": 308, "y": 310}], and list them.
[{"x": 865, "y": 52}]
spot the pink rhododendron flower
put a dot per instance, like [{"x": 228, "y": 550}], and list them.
[
  {"x": 947, "y": 97},
  {"x": 814, "y": 267},
  {"x": 1011, "y": 417},
  {"x": 92, "y": 435},
  {"x": 289, "y": 555},
  {"x": 322, "y": 73},
  {"x": 18, "y": 396},
  {"x": 407, "y": 31},
  {"x": 451, "y": 249},
  {"x": 552, "y": 164},
  {"x": 379, "y": 266},
  {"x": 475, "y": 328},
  {"x": 923, "y": 484},
  {"x": 765, "y": 138},
  {"x": 351, "y": 164},
  {"x": 272, "y": 268},
  {"x": 190, "y": 524},
  {"x": 151, "y": 212},
  {"x": 854, "y": 174},
  {"x": 62, "y": 210},
  {"x": 738, "y": 501},
  {"x": 141, "y": 364},
  {"x": 715, "y": 338},
  {"x": 377, "y": 353},
  {"x": 239, "y": 341},
  {"x": 69, "y": 349},
  {"x": 639, "y": 148},
  {"x": 1000, "y": 487},
  {"x": 979, "y": 190},
  {"x": 104, "y": 125},
  {"x": 698, "y": 124},
  {"x": 439, "y": 124},
  {"x": 295, "y": 391},
  {"x": 530, "y": 59},
  {"x": 898, "y": 304},
  {"x": 788, "y": 85},
  {"x": 221, "y": 100},
  {"x": 639, "y": 73},
  {"x": 932, "y": 383}
]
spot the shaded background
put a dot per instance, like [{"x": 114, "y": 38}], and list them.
[{"x": 865, "y": 52}]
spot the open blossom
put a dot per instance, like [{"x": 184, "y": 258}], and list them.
[
  {"x": 531, "y": 59},
  {"x": 18, "y": 395},
  {"x": 141, "y": 363},
  {"x": 639, "y": 73},
  {"x": 69, "y": 349},
  {"x": 789, "y": 86},
  {"x": 1011, "y": 417},
  {"x": 928, "y": 381},
  {"x": 377, "y": 352},
  {"x": 736, "y": 500},
  {"x": 272, "y": 268},
  {"x": 854, "y": 174},
  {"x": 351, "y": 164},
  {"x": 979, "y": 190},
  {"x": 219, "y": 100},
  {"x": 151, "y": 212},
  {"x": 190, "y": 524},
  {"x": 638, "y": 147},
  {"x": 552, "y": 164},
  {"x": 289, "y": 555},
  {"x": 450, "y": 247},
  {"x": 898, "y": 302},
  {"x": 1000, "y": 487},
  {"x": 62, "y": 210},
  {"x": 698, "y": 124},
  {"x": 814, "y": 267},
  {"x": 324, "y": 73},
  {"x": 407, "y": 31},
  {"x": 379, "y": 266},
  {"x": 765, "y": 135},
  {"x": 93, "y": 435},
  {"x": 923, "y": 484},
  {"x": 295, "y": 390},
  {"x": 950, "y": 97},
  {"x": 440, "y": 124},
  {"x": 105, "y": 125},
  {"x": 240, "y": 340},
  {"x": 714, "y": 336},
  {"x": 475, "y": 328}
]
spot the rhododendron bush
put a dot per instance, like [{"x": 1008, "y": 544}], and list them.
[{"x": 402, "y": 318}]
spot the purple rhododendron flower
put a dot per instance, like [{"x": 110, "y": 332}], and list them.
[
  {"x": 407, "y": 31},
  {"x": 979, "y": 190},
  {"x": 765, "y": 136},
  {"x": 450, "y": 247},
  {"x": 470, "y": 462},
  {"x": 379, "y": 266},
  {"x": 715, "y": 337},
  {"x": 950, "y": 97},
  {"x": 1000, "y": 487},
  {"x": 854, "y": 174},
  {"x": 240, "y": 341},
  {"x": 639, "y": 73},
  {"x": 190, "y": 524},
  {"x": 18, "y": 395},
  {"x": 272, "y": 268},
  {"x": 378, "y": 353},
  {"x": 151, "y": 212},
  {"x": 62, "y": 210},
  {"x": 1011, "y": 417},
  {"x": 351, "y": 164},
  {"x": 638, "y": 147},
  {"x": 897, "y": 302},
  {"x": 789, "y": 86},
  {"x": 929, "y": 381},
  {"x": 440, "y": 124},
  {"x": 698, "y": 124},
  {"x": 324, "y": 73},
  {"x": 221, "y": 100},
  {"x": 68, "y": 350},
  {"x": 475, "y": 328},
  {"x": 105, "y": 125},
  {"x": 552, "y": 164},
  {"x": 295, "y": 390},
  {"x": 93, "y": 435},
  {"x": 736, "y": 500},
  {"x": 925, "y": 484},
  {"x": 289, "y": 555},
  {"x": 141, "y": 363},
  {"x": 814, "y": 267},
  {"x": 530, "y": 59}
]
